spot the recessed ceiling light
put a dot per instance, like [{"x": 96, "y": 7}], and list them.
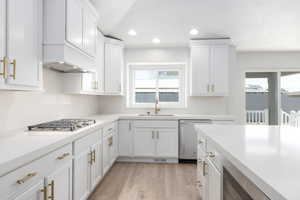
[
  {"x": 156, "y": 40},
  {"x": 132, "y": 32},
  {"x": 194, "y": 31}
]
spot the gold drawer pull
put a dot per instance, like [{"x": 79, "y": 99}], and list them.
[
  {"x": 14, "y": 63},
  {"x": 110, "y": 141},
  {"x": 63, "y": 156},
  {"x": 5, "y": 62},
  {"x": 26, "y": 178},
  {"x": 45, "y": 192},
  {"x": 51, "y": 197}
]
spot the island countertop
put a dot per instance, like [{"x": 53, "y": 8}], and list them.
[{"x": 268, "y": 155}]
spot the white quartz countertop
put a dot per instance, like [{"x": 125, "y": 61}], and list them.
[
  {"x": 22, "y": 147},
  {"x": 268, "y": 155}
]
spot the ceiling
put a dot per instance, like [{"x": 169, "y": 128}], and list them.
[{"x": 253, "y": 25}]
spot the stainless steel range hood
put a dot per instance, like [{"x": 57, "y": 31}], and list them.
[{"x": 66, "y": 67}]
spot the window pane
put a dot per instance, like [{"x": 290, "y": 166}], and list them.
[
  {"x": 168, "y": 97},
  {"x": 145, "y": 79},
  {"x": 145, "y": 97},
  {"x": 168, "y": 79}
]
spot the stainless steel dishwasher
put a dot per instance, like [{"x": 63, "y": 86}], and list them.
[{"x": 188, "y": 139}]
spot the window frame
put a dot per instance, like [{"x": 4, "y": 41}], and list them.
[{"x": 180, "y": 67}]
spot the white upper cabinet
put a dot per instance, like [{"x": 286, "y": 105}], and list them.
[
  {"x": 70, "y": 33},
  {"x": 100, "y": 62},
  {"x": 89, "y": 31},
  {"x": 74, "y": 23},
  {"x": 20, "y": 44},
  {"x": 114, "y": 65},
  {"x": 210, "y": 60}
]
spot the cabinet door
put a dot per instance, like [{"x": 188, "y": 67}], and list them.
[
  {"x": 144, "y": 142},
  {"x": 200, "y": 70},
  {"x": 113, "y": 68},
  {"x": 81, "y": 175},
  {"x": 214, "y": 182},
  {"x": 100, "y": 62},
  {"x": 106, "y": 154},
  {"x": 116, "y": 143},
  {"x": 89, "y": 82},
  {"x": 23, "y": 42},
  {"x": 74, "y": 24},
  {"x": 96, "y": 167},
  {"x": 60, "y": 182},
  {"x": 90, "y": 32},
  {"x": 125, "y": 137},
  {"x": 201, "y": 177},
  {"x": 167, "y": 143},
  {"x": 2, "y": 37},
  {"x": 219, "y": 70},
  {"x": 33, "y": 193}
]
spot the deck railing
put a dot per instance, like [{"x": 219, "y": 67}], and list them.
[
  {"x": 262, "y": 117},
  {"x": 257, "y": 116}
]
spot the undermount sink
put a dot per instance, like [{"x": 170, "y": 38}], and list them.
[{"x": 156, "y": 115}]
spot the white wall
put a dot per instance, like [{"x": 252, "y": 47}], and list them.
[
  {"x": 20, "y": 109},
  {"x": 196, "y": 105}
]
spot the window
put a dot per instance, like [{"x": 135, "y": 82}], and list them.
[{"x": 151, "y": 82}]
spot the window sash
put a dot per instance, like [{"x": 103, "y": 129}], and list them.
[{"x": 132, "y": 89}]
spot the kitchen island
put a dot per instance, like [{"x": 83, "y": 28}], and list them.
[{"x": 268, "y": 156}]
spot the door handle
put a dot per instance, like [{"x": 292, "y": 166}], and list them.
[
  {"x": 51, "y": 197},
  {"x": 14, "y": 63},
  {"x": 5, "y": 62}
]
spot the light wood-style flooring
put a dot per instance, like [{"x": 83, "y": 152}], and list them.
[{"x": 137, "y": 181}]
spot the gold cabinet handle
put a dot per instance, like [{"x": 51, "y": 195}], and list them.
[
  {"x": 45, "y": 192},
  {"x": 94, "y": 156},
  {"x": 63, "y": 156},
  {"x": 51, "y": 197},
  {"x": 110, "y": 141},
  {"x": 5, "y": 62},
  {"x": 26, "y": 178},
  {"x": 91, "y": 157},
  {"x": 211, "y": 154},
  {"x": 14, "y": 63}
]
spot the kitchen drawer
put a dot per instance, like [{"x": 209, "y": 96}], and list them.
[
  {"x": 60, "y": 157},
  {"x": 23, "y": 178},
  {"x": 108, "y": 129},
  {"x": 82, "y": 144},
  {"x": 214, "y": 155},
  {"x": 155, "y": 124}
]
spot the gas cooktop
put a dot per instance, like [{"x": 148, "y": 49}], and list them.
[{"x": 62, "y": 125}]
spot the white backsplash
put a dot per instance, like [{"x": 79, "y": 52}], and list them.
[{"x": 19, "y": 109}]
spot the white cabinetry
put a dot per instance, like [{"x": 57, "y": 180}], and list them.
[
  {"x": 144, "y": 142},
  {"x": 114, "y": 65},
  {"x": 60, "y": 182},
  {"x": 33, "y": 193},
  {"x": 215, "y": 181},
  {"x": 110, "y": 146},
  {"x": 47, "y": 177},
  {"x": 70, "y": 34},
  {"x": 156, "y": 139},
  {"x": 87, "y": 162},
  {"x": 125, "y": 138},
  {"x": 210, "y": 60},
  {"x": 20, "y": 44}
]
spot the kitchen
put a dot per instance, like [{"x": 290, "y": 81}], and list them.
[{"x": 130, "y": 82}]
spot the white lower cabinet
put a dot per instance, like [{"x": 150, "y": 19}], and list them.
[
  {"x": 215, "y": 181},
  {"x": 60, "y": 182},
  {"x": 144, "y": 142},
  {"x": 33, "y": 193},
  {"x": 87, "y": 162},
  {"x": 110, "y": 146},
  {"x": 156, "y": 139}
]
